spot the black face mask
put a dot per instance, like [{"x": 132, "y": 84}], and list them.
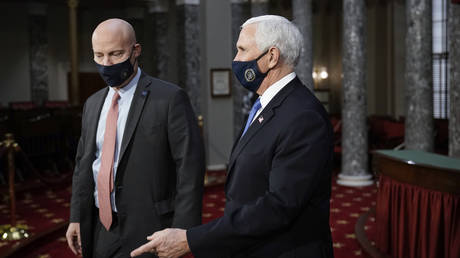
[
  {"x": 248, "y": 73},
  {"x": 115, "y": 75}
]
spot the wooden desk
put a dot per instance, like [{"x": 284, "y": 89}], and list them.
[
  {"x": 418, "y": 204},
  {"x": 428, "y": 170}
]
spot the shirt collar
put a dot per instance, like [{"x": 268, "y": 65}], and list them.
[
  {"x": 130, "y": 87},
  {"x": 271, "y": 91}
]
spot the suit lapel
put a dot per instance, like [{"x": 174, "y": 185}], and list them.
[
  {"x": 262, "y": 119},
  {"x": 258, "y": 123},
  {"x": 135, "y": 111},
  {"x": 235, "y": 142},
  {"x": 93, "y": 117}
]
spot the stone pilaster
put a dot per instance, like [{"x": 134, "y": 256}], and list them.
[
  {"x": 419, "y": 76},
  {"x": 241, "y": 11},
  {"x": 454, "y": 93},
  {"x": 160, "y": 47},
  {"x": 188, "y": 54},
  {"x": 303, "y": 16},
  {"x": 135, "y": 16},
  {"x": 354, "y": 130},
  {"x": 38, "y": 52},
  {"x": 74, "y": 93}
]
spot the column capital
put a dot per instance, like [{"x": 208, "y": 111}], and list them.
[
  {"x": 73, "y": 3},
  {"x": 187, "y": 2},
  {"x": 157, "y": 6}
]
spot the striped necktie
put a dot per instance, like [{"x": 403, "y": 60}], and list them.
[{"x": 105, "y": 175}]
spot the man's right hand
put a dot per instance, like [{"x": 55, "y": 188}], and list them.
[{"x": 73, "y": 237}]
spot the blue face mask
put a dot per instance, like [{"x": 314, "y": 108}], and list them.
[
  {"x": 248, "y": 73},
  {"x": 115, "y": 75}
]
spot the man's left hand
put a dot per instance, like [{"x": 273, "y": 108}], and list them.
[{"x": 168, "y": 243}]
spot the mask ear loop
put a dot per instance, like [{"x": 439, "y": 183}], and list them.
[
  {"x": 261, "y": 55},
  {"x": 257, "y": 59}
]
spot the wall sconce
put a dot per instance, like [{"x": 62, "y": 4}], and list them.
[{"x": 320, "y": 74}]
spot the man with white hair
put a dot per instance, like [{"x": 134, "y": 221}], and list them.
[{"x": 279, "y": 176}]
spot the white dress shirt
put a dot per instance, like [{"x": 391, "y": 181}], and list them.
[
  {"x": 271, "y": 92},
  {"x": 124, "y": 103}
]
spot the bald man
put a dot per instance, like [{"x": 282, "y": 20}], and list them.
[{"x": 140, "y": 162}]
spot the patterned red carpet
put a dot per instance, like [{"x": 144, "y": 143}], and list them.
[
  {"x": 46, "y": 209},
  {"x": 40, "y": 210},
  {"x": 347, "y": 204}
]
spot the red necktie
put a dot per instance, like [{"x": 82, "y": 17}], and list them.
[{"x": 105, "y": 175}]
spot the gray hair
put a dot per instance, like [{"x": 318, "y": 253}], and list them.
[{"x": 279, "y": 32}]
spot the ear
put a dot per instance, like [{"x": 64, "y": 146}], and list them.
[
  {"x": 137, "y": 50},
  {"x": 274, "y": 54}
]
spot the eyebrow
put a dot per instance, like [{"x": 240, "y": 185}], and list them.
[
  {"x": 111, "y": 52},
  {"x": 118, "y": 50}
]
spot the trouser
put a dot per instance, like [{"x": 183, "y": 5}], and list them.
[{"x": 107, "y": 244}]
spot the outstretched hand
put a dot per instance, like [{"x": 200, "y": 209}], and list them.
[{"x": 168, "y": 243}]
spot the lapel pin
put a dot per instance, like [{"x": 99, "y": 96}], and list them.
[
  {"x": 145, "y": 93},
  {"x": 261, "y": 119}
]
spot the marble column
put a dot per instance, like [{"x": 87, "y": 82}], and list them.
[
  {"x": 241, "y": 11},
  {"x": 158, "y": 12},
  {"x": 259, "y": 7},
  {"x": 135, "y": 17},
  {"x": 354, "y": 130},
  {"x": 38, "y": 52},
  {"x": 188, "y": 54},
  {"x": 454, "y": 92},
  {"x": 73, "y": 40},
  {"x": 419, "y": 76},
  {"x": 303, "y": 16}
]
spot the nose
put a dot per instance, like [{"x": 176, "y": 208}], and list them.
[
  {"x": 237, "y": 56},
  {"x": 106, "y": 61}
]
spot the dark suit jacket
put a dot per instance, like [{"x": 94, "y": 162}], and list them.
[
  {"x": 159, "y": 181},
  {"x": 278, "y": 185}
]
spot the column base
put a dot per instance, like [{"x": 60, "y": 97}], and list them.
[
  {"x": 358, "y": 180},
  {"x": 217, "y": 167}
]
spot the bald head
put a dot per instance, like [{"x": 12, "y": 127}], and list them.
[
  {"x": 115, "y": 29},
  {"x": 114, "y": 41}
]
